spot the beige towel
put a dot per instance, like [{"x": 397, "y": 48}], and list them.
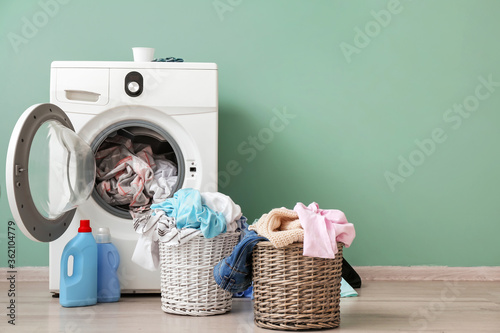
[{"x": 281, "y": 226}]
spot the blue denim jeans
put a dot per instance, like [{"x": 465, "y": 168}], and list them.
[{"x": 234, "y": 273}]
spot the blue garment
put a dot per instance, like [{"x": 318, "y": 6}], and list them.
[
  {"x": 242, "y": 227},
  {"x": 234, "y": 273},
  {"x": 346, "y": 289},
  {"x": 169, "y": 59},
  {"x": 244, "y": 294},
  {"x": 186, "y": 207}
]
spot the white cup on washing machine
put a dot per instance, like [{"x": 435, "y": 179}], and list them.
[{"x": 143, "y": 54}]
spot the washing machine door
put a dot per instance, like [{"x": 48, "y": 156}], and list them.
[{"x": 50, "y": 170}]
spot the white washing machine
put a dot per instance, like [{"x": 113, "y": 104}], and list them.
[{"x": 50, "y": 163}]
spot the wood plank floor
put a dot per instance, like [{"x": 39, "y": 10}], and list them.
[{"x": 382, "y": 306}]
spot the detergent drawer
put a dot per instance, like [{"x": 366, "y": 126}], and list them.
[{"x": 82, "y": 85}]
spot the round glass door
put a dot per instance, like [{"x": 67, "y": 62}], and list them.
[
  {"x": 50, "y": 171},
  {"x": 61, "y": 170}
]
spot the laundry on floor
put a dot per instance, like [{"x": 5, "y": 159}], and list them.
[
  {"x": 130, "y": 174},
  {"x": 346, "y": 290},
  {"x": 181, "y": 218}
]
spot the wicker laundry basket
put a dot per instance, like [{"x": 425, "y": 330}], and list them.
[
  {"x": 294, "y": 292},
  {"x": 187, "y": 283}
]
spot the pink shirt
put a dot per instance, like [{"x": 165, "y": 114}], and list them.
[{"x": 323, "y": 229}]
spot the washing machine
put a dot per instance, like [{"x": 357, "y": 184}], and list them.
[{"x": 173, "y": 107}]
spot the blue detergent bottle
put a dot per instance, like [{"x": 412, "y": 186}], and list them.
[
  {"x": 108, "y": 260},
  {"x": 79, "y": 287}
]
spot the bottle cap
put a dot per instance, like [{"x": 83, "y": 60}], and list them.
[
  {"x": 103, "y": 236},
  {"x": 85, "y": 226}
]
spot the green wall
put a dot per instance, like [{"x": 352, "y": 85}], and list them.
[{"x": 390, "y": 121}]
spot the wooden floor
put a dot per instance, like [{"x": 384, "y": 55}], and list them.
[{"x": 382, "y": 306}]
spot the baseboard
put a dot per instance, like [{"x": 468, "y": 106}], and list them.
[
  {"x": 428, "y": 273},
  {"x": 29, "y": 274},
  {"x": 367, "y": 273}
]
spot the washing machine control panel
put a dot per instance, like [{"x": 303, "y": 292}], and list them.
[{"x": 134, "y": 83}]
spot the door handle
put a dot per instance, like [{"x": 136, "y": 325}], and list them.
[{"x": 82, "y": 95}]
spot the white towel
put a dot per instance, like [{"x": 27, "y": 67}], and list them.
[{"x": 223, "y": 204}]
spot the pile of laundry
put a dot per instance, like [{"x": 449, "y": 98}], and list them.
[
  {"x": 181, "y": 218},
  {"x": 130, "y": 175},
  {"x": 318, "y": 229}
]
